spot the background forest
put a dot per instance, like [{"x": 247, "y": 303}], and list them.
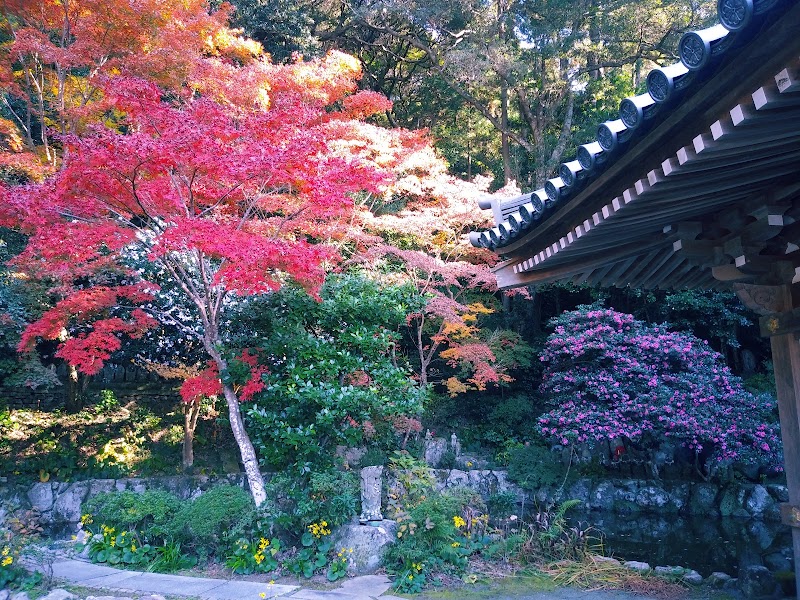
[{"x": 178, "y": 183}]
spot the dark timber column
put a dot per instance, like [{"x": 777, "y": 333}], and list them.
[{"x": 781, "y": 323}]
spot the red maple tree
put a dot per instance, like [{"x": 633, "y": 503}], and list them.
[{"x": 216, "y": 196}]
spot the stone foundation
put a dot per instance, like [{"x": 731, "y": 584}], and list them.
[
  {"x": 629, "y": 496},
  {"x": 60, "y": 503}
]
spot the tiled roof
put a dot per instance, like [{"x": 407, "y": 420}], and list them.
[{"x": 700, "y": 52}]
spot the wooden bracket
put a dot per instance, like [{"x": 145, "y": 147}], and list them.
[{"x": 763, "y": 299}]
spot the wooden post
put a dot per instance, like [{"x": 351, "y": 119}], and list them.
[
  {"x": 786, "y": 360},
  {"x": 781, "y": 323}
]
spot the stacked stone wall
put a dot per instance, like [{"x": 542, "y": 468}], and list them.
[
  {"x": 129, "y": 384},
  {"x": 60, "y": 502}
]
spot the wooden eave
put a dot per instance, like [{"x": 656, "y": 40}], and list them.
[{"x": 707, "y": 198}]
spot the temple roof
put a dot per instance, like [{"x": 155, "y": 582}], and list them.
[{"x": 696, "y": 185}]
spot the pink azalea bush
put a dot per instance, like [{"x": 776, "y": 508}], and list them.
[{"x": 610, "y": 376}]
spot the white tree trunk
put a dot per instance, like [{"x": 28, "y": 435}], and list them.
[{"x": 246, "y": 449}]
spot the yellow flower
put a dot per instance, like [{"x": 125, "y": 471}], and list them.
[
  {"x": 411, "y": 577},
  {"x": 133, "y": 547},
  {"x": 4, "y": 552},
  {"x": 262, "y": 595},
  {"x": 263, "y": 543},
  {"x": 86, "y": 519},
  {"x": 258, "y": 557},
  {"x": 459, "y": 522},
  {"x": 455, "y": 544},
  {"x": 350, "y": 550},
  {"x": 7, "y": 561},
  {"x": 271, "y": 582}
]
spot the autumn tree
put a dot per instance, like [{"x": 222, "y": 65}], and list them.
[
  {"x": 420, "y": 228},
  {"x": 57, "y": 53},
  {"x": 227, "y": 195},
  {"x": 503, "y": 85}
]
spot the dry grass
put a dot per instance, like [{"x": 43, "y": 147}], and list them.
[{"x": 600, "y": 573}]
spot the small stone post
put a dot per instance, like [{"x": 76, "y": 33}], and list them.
[{"x": 371, "y": 494}]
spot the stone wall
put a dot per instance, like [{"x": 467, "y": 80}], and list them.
[
  {"x": 628, "y": 496},
  {"x": 129, "y": 384},
  {"x": 60, "y": 502}
]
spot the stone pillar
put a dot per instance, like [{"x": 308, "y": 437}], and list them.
[{"x": 371, "y": 494}]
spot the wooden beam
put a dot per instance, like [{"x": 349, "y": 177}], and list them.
[
  {"x": 506, "y": 278},
  {"x": 636, "y": 277}
]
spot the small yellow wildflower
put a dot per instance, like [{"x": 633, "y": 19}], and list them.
[
  {"x": 271, "y": 582},
  {"x": 4, "y": 551},
  {"x": 459, "y": 522},
  {"x": 350, "y": 550},
  {"x": 411, "y": 577},
  {"x": 258, "y": 557},
  {"x": 133, "y": 547},
  {"x": 469, "y": 463},
  {"x": 7, "y": 561},
  {"x": 262, "y": 595},
  {"x": 86, "y": 519},
  {"x": 455, "y": 544},
  {"x": 263, "y": 543}
]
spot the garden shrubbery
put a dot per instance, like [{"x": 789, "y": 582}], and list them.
[
  {"x": 612, "y": 377},
  {"x": 156, "y": 530},
  {"x": 151, "y": 513},
  {"x": 203, "y": 523}
]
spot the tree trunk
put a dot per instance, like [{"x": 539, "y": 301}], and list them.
[
  {"x": 505, "y": 147},
  {"x": 246, "y": 450},
  {"x": 248, "y": 453},
  {"x": 191, "y": 412},
  {"x": 76, "y": 385}
]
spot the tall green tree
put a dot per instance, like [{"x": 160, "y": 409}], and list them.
[{"x": 535, "y": 72}]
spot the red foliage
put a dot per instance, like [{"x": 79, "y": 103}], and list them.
[
  {"x": 226, "y": 198},
  {"x": 255, "y": 383},
  {"x": 205, "y": 383}
]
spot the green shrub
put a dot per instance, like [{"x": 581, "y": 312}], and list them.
[
  {"x": 414, "y": 478},
  {"x": 295, "y": 502},
  {"x": 448, "y": 460},
  {"x": 245, "y": 556},
  {"x": 372, "y": 457},
  {"x": 502, "y": 504},
  {"x": 535, "y": 466},
  {"x": 203, "y": 525},
  {"x": 150, "y": 513},
  {"x": 434, "y": 538},
  {"x": 549, "y": 537},
  {"x": 170, "y": 558}
]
